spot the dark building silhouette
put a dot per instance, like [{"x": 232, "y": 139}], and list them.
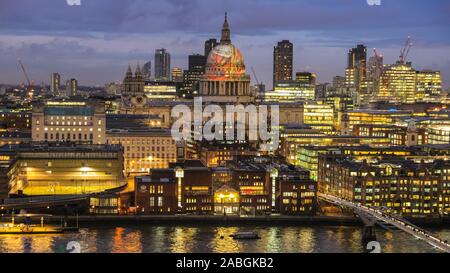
[
  {"x": 209, "y": 45},
  {"x": 283, "y": 55}
]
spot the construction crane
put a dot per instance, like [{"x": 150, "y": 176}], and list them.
[
  {"x": 256, "y": 77},
  {"x": 30, "y": 83},
  {"x": 377, "y": 54},
  {"x": 405, "y": 51}
]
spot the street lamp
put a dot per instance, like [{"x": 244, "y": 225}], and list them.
[
  {"x": 179, "y": 174},
  {"x": 273, "y": 175}
]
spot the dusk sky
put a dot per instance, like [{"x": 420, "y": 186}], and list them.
[{"x": 95, "y": 42}]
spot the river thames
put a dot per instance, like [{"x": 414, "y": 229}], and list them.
[{"x": 215, "y": 239}]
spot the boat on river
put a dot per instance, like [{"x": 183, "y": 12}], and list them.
[{"x": 245, "y": 236}]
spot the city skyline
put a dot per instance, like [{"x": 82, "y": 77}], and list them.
[{"x": 103, "y": 45}]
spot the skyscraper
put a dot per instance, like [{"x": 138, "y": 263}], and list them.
[
  {"x": 283, "y": 55},
  {"x": 147, "y": 71},
  {"x": 356, "y": 69},
  {"x": 71, "y": 87},
  {"x": 209, "y": 45},
  {"x": 193, "y": 75},
  {"x": 56, "y": 84},
  {"x": 162, "y": 65},
  {"x": 374, "y": 72}
]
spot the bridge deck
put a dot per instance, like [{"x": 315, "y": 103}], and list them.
[{"x": 394, "y": 221}]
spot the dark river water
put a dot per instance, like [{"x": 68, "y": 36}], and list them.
[{"x": 205, "y": 238}]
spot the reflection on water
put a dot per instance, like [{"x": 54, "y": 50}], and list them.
[
  {"x": 126, "y": 241},
  {"x": 183, "y": 239},
  {"x": 204, "y": 238}
]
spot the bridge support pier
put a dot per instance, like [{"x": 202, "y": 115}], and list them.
[{"x": 368, "y": 235}]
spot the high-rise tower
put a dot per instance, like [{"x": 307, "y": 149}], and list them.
[
  {"x": 162, "y": 65},
  {"x": 283, "y": 55}
]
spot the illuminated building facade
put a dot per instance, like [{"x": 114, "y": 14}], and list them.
[
  {"x": 247, "y": 186},
  {"x": 216, "y": 155},
  {"x": 377, "y": 117},
  {"x": 283, "y": 59},
  {"x": 291, "y": 91},
  {"x": 177, "y": 74},
  {"x": 225, "y": 79},
  {"x": 297, "y": 149},
  {"x": 407, "y": 187},
  {"x": 15, "y": 120},
  {"x": 193, "y": 75},
  {"x": 438, "y": 134},
  {"x": 156, "y": 193},
  {"x": 144, "y": 149},
  {"x": 307, "y": 157},
  {"x": 297, "y": 192},
  {"x": 429, "y": 85},
  {"x": 65, "y": 169},
  {"x": 398, "y": 135},
  {"x": 398, "y": 84},
  {"x": 355, "y": 74},
  {"x": 160, "y": 91},
  {"x": 69, "y": 121},
  {"x": 9, "y": 138},
  {"x": 318, "y": 113}
]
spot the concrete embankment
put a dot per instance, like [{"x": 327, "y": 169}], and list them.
[{"x": 210, "y": 219}]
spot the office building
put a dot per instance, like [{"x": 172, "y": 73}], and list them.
[
  {"x": 65, "y": 169},
  {"x": 377, "y": 117},
  {"x": 147, "y": 71},
  {"x": 69, "y": 121},
  {"x": 290, "y": 91},
  {"x": 406, "y": 187},
  {"x": 161, "y": 90},
  {"x": 71, "y": 87},
  {"x": 145, "y": 149},
  {"x": 193, "y": 75},
  {"x": 177, "y": 74},
  {"x": 318, "y": 113},
  {"x": 283, "y": 55},
  {"x": 357, "y": 61},
  {"x": 209, "y": 45},
  {"x": 429, "y": 86},
  {"x": 398, "y": 84},
  {"x": 162, "y": 65},
  {"x": 55, "y": 84},
  {"x": 438, "y": 134}
]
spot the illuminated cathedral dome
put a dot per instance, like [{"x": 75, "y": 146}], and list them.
[
  {"x": 225, "y": 71},
  {"x": 225, "y": 62}
]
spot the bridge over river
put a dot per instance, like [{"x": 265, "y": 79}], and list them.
[{"x": 378, "y": 216}]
